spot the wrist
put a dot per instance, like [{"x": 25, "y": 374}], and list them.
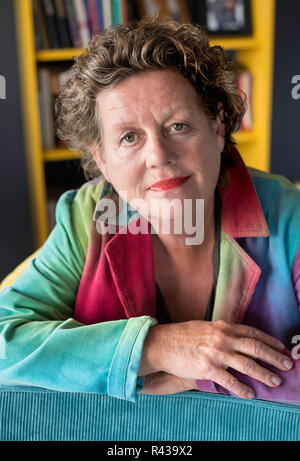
[{"x": 151, "y": 355}]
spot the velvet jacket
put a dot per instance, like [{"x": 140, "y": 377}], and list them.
[{"x": 77, "y": 318}]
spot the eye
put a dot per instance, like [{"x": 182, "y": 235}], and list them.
[
  {"x": 178, "y": 126},
  {"x": 128, "y": 138}
]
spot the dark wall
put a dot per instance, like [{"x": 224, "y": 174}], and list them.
[
  {"x": 15, "y": 225},
  {"x": 285, "y": 153}
]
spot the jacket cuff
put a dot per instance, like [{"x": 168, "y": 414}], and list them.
[{"x": 123, "y": 379}]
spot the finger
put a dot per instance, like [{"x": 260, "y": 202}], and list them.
[
  {"x": 232, "y": 384},
  {"x": 249, "y": 367},
  {"x": 258, "y": 349},
  {"x": 254, "y": 333}
]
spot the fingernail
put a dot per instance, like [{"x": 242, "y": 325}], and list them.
[
  {"x": 276, "y": 380},
  {"x": 287, "y": 363}
]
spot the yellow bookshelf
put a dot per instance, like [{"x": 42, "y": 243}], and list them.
[
  {"x": 58, "y": 154},
  {"x": 254, "y": 53},
  {"x": 65, "y": 54}
]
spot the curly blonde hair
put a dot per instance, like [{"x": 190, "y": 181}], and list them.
[{"x": 153, "y": 43}]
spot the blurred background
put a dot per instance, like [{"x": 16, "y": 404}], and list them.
[{"x": 38, "y": 40}]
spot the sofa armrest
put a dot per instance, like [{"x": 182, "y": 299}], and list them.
[{"x": 36, "y": 414}]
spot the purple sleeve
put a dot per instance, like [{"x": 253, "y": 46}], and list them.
[
  {"x": 288, "y": 392},
  {"x": 289, "y": 389},
  {"x": 296, "y": 275}
]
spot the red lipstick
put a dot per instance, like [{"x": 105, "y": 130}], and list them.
[{"x": 167, "y": 184}]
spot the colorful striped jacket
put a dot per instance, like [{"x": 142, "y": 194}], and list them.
[{"x": 77, "y": 318}]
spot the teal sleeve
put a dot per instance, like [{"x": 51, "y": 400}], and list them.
[{"x": 41, "y": 344}]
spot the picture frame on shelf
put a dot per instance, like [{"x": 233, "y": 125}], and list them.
[{"x": 226, "y": 18}]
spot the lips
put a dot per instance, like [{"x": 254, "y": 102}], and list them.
[{"x": 167, "y": 184}]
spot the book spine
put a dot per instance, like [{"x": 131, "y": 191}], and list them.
[
  {"x": 82, "y": 21},
  {"x": 93, "y": 14},
  {"x": 42, "y": 20},
  {"x": 51, "y": 23},
  {"x": 100, "y": 14},
  {"x": 73, "y": 23},
  {"x": 107, "y": 13},
  {"x": 150, "y": 7},
  {"x": 38, "y": 38},
  {"x": 46, "y": 109},
  {"x": 89, "y": 19},
  {"x": 62, "y": 25},
  {"x": 174, "y": 9},
  {"x": 124, "y": 12},
  {"x": 117, "y": 12}
]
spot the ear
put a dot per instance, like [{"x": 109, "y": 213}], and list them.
[{"x": 99, "y": 158}]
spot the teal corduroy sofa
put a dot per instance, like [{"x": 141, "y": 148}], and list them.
[{"x": 35, "y": 414}]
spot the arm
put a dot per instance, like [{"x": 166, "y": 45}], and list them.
[{"x": 40, "y": 342}]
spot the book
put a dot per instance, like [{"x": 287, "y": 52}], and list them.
[
  {"x": 62, "y": 25},
  {"x": 100, "y": 14},
  {"x": 89, "y": 19},
  {"x": 40, "y": 23},
  {"x": 245, "y": 84},
  {"x": 116, "y": 12},
  {"x": 51, "y": 78},
  {"x": 46, "y": 108},
  {"x": 82, "y": 21},
  {"x": 107, "y": 13},
  {"x": 184, "y": 12},
  {"x": 132, "y": 11},
  {"x": 72, "y": 21},
  {"x": 51, "y": 23},
  {"x": 148, "y": 7},
  {"x": 94, "y": 17},
  {"x": 174, "y": 9},
  {"x": 38, "y": 38},
  {"x": 124, "y": 12}
]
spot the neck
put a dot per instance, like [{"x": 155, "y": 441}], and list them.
[{"x": 184, "y": 246}]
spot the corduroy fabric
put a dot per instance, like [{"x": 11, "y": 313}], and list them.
[{"x": 32, "y": 414}]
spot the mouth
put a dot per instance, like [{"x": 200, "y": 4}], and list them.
[{"x": 167, "y": 184}]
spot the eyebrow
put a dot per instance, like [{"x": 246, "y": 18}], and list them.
[{"x": 130, "y": 125}]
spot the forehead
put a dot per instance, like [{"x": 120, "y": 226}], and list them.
[{"x": 164, "y": 90}]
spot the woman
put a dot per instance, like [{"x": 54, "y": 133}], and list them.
[{"x": 113, "y": 304}]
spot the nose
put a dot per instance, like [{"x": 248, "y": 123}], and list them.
[{"x": 158, "y": 152}]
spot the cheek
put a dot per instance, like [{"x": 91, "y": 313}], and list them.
[
  {"x": 206, "y": 157},
  {"x": 126, "y": 177}
]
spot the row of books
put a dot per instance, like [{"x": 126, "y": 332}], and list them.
[
  {"x": 72, "y": 23},
  {"x": 51, "y": 78}
]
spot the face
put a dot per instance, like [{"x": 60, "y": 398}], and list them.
[{"x": 153, "y": 129}]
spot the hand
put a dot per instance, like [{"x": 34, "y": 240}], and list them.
[
  {"x": 204, "y": 350},
  {"x": 162, "y": 383}
]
